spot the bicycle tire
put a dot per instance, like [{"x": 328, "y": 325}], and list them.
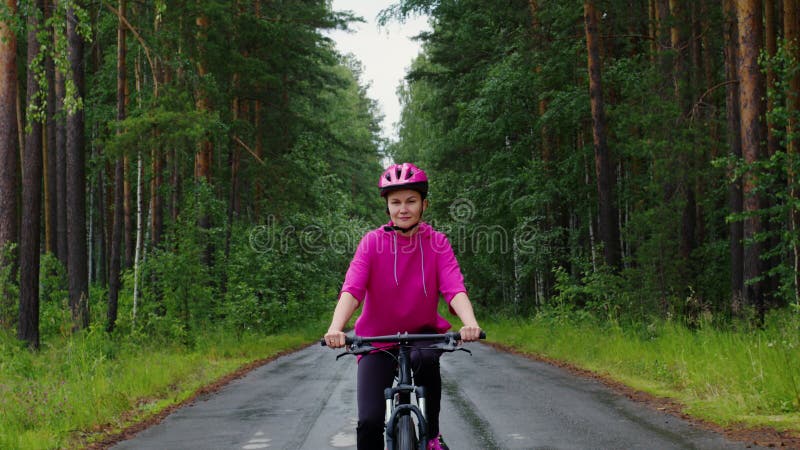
[{"x": 405, "y": 434}]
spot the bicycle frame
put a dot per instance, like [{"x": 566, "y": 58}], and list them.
[
  {"x": 398, "y": 397},
  {"x": 398, "y": 400}
]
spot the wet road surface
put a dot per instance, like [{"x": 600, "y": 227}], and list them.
[{"x": 490, "y": 400}]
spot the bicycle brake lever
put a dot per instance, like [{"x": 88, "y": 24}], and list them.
[{"x": 357, "y": 350}]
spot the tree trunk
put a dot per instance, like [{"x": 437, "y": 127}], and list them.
[
  {"x": 156, "y": 204},
  {"x": 127, "y": 205},
  {"x": 771, "y": 283},
  {"x": 202, "y": 166},
  {"x": 9, "y": 158},
  {"x": 139, "y": 200},
  {"x": 233, "y": 166},
  {"x": 748, "y": 13},
  {"x": 202, "y": 162},
  {"x": 735, "y": 199},
  {"x": 28, "y": 328},
  {"x": 76, "y": 187},
  {"x": 50, "y": 178},
  {"x": 771, "y": 43},
  {"x": 681, "y": 92},
  {"x": 607, "y": 224},
  {"x": 61, "y": 168},
  {"x": 176, "y": 181},
  {"x": 114, "y": 281},
  {"x": 677, "y": 48},
  {"x": 99, "y": 235},
  {"x": 259, "y": 188},
  {"x": 663, "y": 38},
  {"x": 139, "y": 230},
  {"x": 791, "y": 23}
]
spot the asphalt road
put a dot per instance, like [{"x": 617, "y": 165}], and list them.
[{"x": 491, "y": 400}]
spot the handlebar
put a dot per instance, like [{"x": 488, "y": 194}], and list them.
[{"x": 403, "y": 338}]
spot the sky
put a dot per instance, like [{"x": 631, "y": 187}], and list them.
[{"x": 386, "y": 53}]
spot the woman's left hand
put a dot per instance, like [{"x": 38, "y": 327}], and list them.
[{"x": 470, "y": 333}]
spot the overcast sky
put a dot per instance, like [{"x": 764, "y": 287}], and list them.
[{"x": 386, "y": 53}]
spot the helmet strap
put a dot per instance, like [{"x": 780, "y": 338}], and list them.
[
  {"x": 405, "y": 230},
  {"x": 396, "y": 228}
]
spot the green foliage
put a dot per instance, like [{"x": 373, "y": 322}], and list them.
[
  {"x": 496, "y": 109},
  {"x": 9, "y": 286},
  {"x": 93, "y": 381},
  {"x": 54, "y": 312}
]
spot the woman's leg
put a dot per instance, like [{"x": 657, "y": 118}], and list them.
[
  {"x": 426, "y": 373},
  {"x": 375, "y": 373}
]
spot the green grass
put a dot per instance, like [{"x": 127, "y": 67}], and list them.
[
  {"x": 749, "y": 377},
  {"x": 75, "y": 390}
]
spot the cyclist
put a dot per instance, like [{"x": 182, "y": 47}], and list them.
[{"x": 397, "y": 274}]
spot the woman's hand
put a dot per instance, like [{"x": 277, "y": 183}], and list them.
[
  {"x": 470, "y": 333},
  {"x": 335, "y": 338}
]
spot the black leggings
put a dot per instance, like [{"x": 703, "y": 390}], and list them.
[{"x": 375, "y": 373}]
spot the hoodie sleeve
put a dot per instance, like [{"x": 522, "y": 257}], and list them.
[
  {"x": 355, "y": 281},
  {"x": 451, "y": 281}
]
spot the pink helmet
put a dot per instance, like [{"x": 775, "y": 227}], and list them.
[{"x": 403, "y": 176}]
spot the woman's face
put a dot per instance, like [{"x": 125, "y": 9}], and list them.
[{"x": 405, "y": 207}]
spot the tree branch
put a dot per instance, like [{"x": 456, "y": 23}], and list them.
[
  {"x": 240, "y": 142},
  {"x": 141, "y": 41}
]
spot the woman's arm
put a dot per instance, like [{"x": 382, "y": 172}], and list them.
[
  {"x": 345, "y": 308},
  {"x": 463, "y": 309}
]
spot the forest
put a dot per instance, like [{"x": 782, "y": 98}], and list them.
[
  {"x": 158, "y": 140},
  {"x": 638, "y": 156},
  {"x": 173, "y": 167}
]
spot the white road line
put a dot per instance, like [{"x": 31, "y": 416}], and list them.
[{"x": 257, "y": 442}]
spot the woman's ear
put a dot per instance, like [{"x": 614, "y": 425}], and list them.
[{"x": 424, "y": 205}]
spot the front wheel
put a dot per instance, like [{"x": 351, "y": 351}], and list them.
[{"x": 405, "y": 434}]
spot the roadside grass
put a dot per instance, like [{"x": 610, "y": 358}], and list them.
[
  {"x": 727, "y": 376},
  {"x": 75, "y": 390}
]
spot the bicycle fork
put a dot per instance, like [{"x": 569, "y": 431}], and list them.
[{"x": 398, "y": 403}]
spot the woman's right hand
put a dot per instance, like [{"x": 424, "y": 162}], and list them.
[{"x": 335, "y": 339}]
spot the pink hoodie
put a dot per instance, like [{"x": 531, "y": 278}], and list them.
[{"x": 398, "y": 280}]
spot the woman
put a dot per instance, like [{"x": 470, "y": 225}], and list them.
[{"x": 397, "y": 275}]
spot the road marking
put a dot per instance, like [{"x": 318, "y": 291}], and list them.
[
  {"x": 258, "y": 442},
  {"x": 347, "y": 437},
  {"x": 343, "y": 439}
]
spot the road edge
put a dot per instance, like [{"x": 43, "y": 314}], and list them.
[
  {"x": 760, "y": 436},
  {"x": 111, "y": 434}
]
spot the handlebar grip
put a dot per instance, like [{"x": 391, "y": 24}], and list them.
[
  {"x": 457, "y": 335},
  {"x": 347, "y": 341}
]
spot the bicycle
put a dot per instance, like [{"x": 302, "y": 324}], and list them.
[{"x": 402, "y": 433}]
